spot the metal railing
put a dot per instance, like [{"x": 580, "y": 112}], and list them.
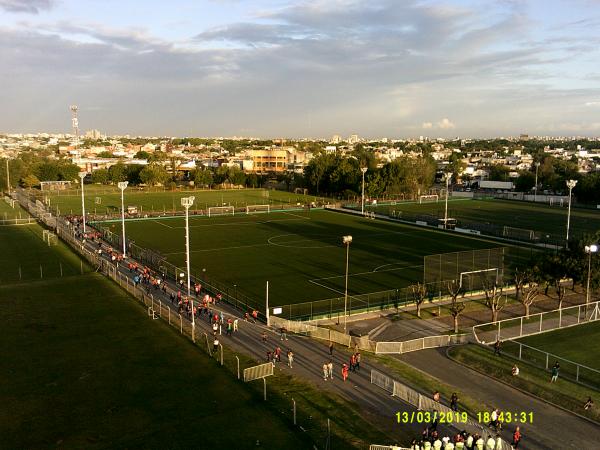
[
  {"x": 420, "y": 343},
  {"x": 311, "y": 330}
]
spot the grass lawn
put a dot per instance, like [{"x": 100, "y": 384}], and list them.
[
  {"x": 83, "y": 367},
  {"x": 8, "y": 212},
  {"x": 531, "y": 379},
  {"x": 547, "y": 219},
  {"x": 300, "y": 253},
  {"x": 146, "y": 199}
]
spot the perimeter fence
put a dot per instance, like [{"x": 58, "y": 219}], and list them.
[{"x": 425, "y": 403}]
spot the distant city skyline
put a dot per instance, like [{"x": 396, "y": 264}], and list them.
[{"x": 379, "y": 68}]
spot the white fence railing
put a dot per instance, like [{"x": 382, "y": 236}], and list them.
[
  {"x": 260, "y": 371},
  {"x": 424, "y": 403},
  {"x": 25, "y": 221},
  {"x": 386, "y": 447},
  {"x": 311, "y": 330},
  {"x": 536, "y": 323},
  {"x": 420, "y": 344}
]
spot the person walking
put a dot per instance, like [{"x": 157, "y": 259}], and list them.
[
  {"x": 345, "y": 372},
  {"x": 216, "y": 344},
  {"x": 264, "y": 336},
  {"x": 497, "y": 347},
  {"x": 454, "y": 402},
  {"x": 330, "y": 348},
  {"x": 235, "y": 325},
  {"x": 357, "y": 361},
  {"x": 283, "y": 334},
  {"x": 330, "y": 369},
  {"x": 278, "y": 353},
  {"x": 555, "y": 369},
  {"x": 290, "y": 357},
  {"x": 352, "y": 362},
  {"x": 516, "y": 438},
  {"x": 325, "y": 371}
]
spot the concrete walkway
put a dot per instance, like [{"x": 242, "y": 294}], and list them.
[{"x": 552, "y": 427}]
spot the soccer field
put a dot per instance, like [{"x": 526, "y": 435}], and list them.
[
  {"x": 300, "y": 253},
  {"x": 107, "y": 199},
  {"x": 549, "y": 220},
  {"x": 580, "y": 344}
]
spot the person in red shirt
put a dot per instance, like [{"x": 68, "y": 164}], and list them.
[
  {"x": 516, "y": 438},
  {"x": 345, "y": 372}
]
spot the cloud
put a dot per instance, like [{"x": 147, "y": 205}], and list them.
[
  {"x": 26, "y": 6},
  {"x": 427, "y": 125},
  {"x": 593, "y": 103},
  {"x": 445, "y": 124}
]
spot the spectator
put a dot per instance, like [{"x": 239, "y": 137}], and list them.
[
  {"x": 325, "y": 371},
  {"x": 454, "y": 402},
  {"x": 589, "y": 404},
  {"x": 497, "y": 347},
  {"x": 283, "y": 334},
  {"x": 516, "y": 438},
  {"x": 515, "y": 370},
  {"x": 436, "y": 396},
  {"x": 555, "y": 369}
]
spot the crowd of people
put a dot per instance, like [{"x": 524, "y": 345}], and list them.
[{"x": 431, "y": 440}]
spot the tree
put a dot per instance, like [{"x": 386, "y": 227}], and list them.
[
  {"x": 456, "y": 307},
  {"x": 525, "y": 181},
  {"x": 493, "y": 298},
  {"x": 153, "y": 174},
  {"x": 530, "y": 292},
  {"x": 499, "y": 172},
  {"x": 117, "y": 173},
  {"x": 100, "y": 176},
  {"x": 142, "y": 154},
  {"x": 419, "y": 293},
  {"x": 519, "y": 277},
  {"x": 203, "y": 177},
  {"x": 133, "y": 173},
  {"x": 105, "y": 154},
  {"x": 30, "y": 181}
]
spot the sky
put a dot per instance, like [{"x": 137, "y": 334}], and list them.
[{"x": 285, "y": 68}]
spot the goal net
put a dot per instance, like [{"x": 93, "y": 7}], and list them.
[
  {"x": 257, "y": 208},
  {"x": 98, "y": 201},
  {"x": 518, "y": 233},
  {"x": 476, "y": 279},
  {"x": 221, "y": 211},
  {"x": 431, "y": 198},
  {"x": 556, "y": 201},
  {"x": 49, "y": 237}
]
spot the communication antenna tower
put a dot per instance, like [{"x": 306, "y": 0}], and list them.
[{"x": 75, "y": 123}]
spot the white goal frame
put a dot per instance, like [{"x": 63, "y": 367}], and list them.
[
  {"x": 49, "y": 238},
  {"x": 258, "y": 209},
  {"x": 221, "y": 211},
  {"x": 430, "y": 198},
  {"x": 506, "y": 231},
  {"x": 553, "y": 200},
  {"x": 493, "y": 269}
]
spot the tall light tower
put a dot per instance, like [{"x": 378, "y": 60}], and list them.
[
  {"x": 537, "y": 166},
  {"x": 362, "y": 208},
  {"x": 187, "y": 202},
  {"x": 7, "y": 177},
  {"x": 589, "y": 249},
  {"x": 123, "y": 185},
  {"x": 82, "y": 176},
  {"x": 75, "y": 124},
  {"x": 448, "y": 177},
  {"x": 346, "y": 240},
  {"x": 570, "y": 184}
]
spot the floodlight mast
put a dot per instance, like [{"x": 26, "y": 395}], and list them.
[
  {"x": 187, "y": 202},
  {"x": 537, "y": 166},
  {"x": 123, "y": 185},
  {"x": 346, "y": 240},
  {"x": 570, "y": 184},
  {"x": 589, "y": 249},
  {"x": 362, "y": 207},
  {"x": 448, "y": 177},
  {"x": 82, "y": 175}
]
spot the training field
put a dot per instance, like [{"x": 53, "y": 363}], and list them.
[
  {"x": 551, "y": 220},
  {"x": 580, "y": 344},
  {"x": 107, "y": 199},
  {"x": 7, "y": 212},
  {"x": 300, "y": 253}
]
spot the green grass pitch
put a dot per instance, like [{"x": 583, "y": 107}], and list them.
[
  {"x": 546, "y": 219},
  {"x": 300, "y": 253}
]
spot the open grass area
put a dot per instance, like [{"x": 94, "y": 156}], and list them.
[
  {"x": 580, "y": 344},
  {"x": 107, "y": 199},
  {"x": 83, "y": 367},
  {"x": 531, "y": 379},
  {"x": 543, "y": 218},
  {"x": 301, "y": 254},
  {"x": 8, "y": 212}
]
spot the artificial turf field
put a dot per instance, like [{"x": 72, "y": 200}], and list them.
[
  {"x": 83, "y": 367},
  {"x": 300, "y": 253},
  {"x": 551, "y": 220},
  {"x": 152, "y": 200}
]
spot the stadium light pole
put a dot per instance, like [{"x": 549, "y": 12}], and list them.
[
  {"x": 362, "y": 208},
  {"x": 347, "y": 240},
  {"x": 7, "y": 177},
  {"x": 537, "y": 166},
  {"x": 448, "y": 177},
  {"x": 570, "y": 184},
  {"x": 187, "y": 202},
  {"x": 589, "y": 249},
  {"x": 82, "y": 176},
  {"x": 123, "y": 185}
]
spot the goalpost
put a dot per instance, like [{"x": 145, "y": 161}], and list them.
[
  {"x": 431, "y": 198},
  {"x": 474, "y": 278},
  {"x": 518, "y": 233},
  {"x": 258, "y": 208},
  {"x": 553, "y": 200},
  {"x": 49, "y": 238},
  {"x": 221, "y": 211}
]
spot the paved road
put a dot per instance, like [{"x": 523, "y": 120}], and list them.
[{"x": 552, "y": 428}]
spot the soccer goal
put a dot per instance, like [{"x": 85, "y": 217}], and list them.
[
  {"x": 430, "y": 198},
  {"x": 257, "y": 208},
  {"x": 518, "y": 233},
  {"x": 556, "y": 201},
  {"x": 221, "y": 211},
  {"x": 10, "y": 201},
  {"x": 50, "y": 238},
  {"x": 475, "y": 279},
  {"x": 98, "y": 201}
]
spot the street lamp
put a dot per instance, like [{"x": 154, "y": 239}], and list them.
[
  {"x": 448, "y": 177},
  {"x": 82, "y": 176},
  {"x": 187, "y": 202},
  {"x": 537, "y": 166},
  {"x": 362, "y": 208},
  {"x": 589, "y": 249},
  {"x": 570, "y": 184},
  {"x": 122, "y": 185},
  {"x": 347, "y": 240}
]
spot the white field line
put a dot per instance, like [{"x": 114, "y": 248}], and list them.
[
  {"x": 217, "y": 249},
  {"x": 367, "y": 273}
]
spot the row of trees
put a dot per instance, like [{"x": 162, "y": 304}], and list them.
[{"x": 546, "y": 271}]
